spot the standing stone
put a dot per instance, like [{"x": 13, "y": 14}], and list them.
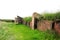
[{"x": 34, "y": 20}]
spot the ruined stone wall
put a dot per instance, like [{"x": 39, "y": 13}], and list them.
[
  {"x": 57, "y": 27},
  {"x": 18, "y": 20},
  {"x": 24, "y": 22},
  {"x": 34, "y": 16},
  {"x": 39, "y": 24},
  {"x": 44, "y": 25},
  {"x": 31, "y": 24}
]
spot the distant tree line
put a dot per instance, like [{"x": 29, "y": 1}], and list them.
[{"x": 7, "y": 20}]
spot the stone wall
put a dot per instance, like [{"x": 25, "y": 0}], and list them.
[
  {"x": 24, "y": 22},
  {"x": 44, "y": 25},
  {"x": 34, "y": 21},
  {"x": 31, "y": 24},
  {"x": 57, "y": 26},
  {"x": 18, "y": 20}
]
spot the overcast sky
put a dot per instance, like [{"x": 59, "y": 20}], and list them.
[{"x": 11, "y": 8}]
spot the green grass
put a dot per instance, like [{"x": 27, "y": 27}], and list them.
[{"x": 10, "y": 31}]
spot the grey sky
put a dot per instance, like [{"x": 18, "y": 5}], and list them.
[{"x": 11, "y": 8}]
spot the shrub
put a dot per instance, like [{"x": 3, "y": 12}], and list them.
[{"x": 27, "y": 19}]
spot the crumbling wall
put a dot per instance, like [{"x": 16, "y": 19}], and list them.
[
  {"x": 39, "y": 24},
  {"x": 44, "y": 25},
  {"x": 57, "y": 26},
  {"x": 18, "y": 20},
  {"x": 24, "y": 22},
  {"x": 31, "y": 24},
  {"x": 34, "y": 20}
]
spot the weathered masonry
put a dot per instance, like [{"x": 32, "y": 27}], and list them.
[
  {"x": 56, "y": 26},
  {"x": 42, "y": 25},
  {"x": 45, "y": 24},
  {"x": 18, "y": 20}
]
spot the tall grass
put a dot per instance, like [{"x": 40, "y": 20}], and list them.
[{"x": 10, "y": 31}]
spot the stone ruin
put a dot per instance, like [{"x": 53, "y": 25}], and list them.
[
  {"x": 18, "y": 20},
  {"x": 56, "y": 25},
  {"x": 35, "y": 20},
  {"x": 44, "y": 24},
  {"x": 38, "y": 24},
  {"x": 24, "y": 22}
]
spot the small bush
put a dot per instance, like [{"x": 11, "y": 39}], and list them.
[{"x": 27, "y": 19}]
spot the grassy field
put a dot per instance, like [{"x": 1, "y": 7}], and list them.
[{"x": 10, "y": 31}]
